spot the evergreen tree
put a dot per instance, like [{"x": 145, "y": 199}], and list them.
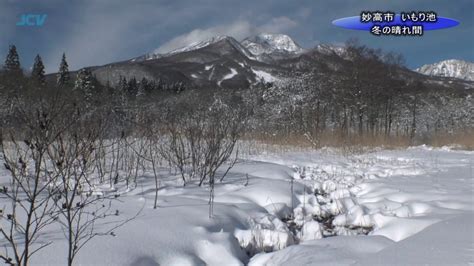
[
  {"x": 12, "y": 62},
  {"x": 122, "y": 90},
  {"x": 122, "y": 87},
  {"x": 142, "y": 87},
  {"x": 132, "y": 87},
  {"x": 38, "y": 71},
  {"x": 84, "y": 83},
  {"x": 63, "y": 74}
]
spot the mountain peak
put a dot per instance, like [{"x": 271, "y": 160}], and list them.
[
  {"x": 267, "y": 43},
  {"x": 255, "y": 48},
  {"x": 452, "y": 68},
  {"x": 198, "y": 44},
  {"x": 195, "y": 46}
]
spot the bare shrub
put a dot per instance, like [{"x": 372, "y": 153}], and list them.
[
  {"x": 51, "y": 155},
  {"x": 201, "y": 139}
]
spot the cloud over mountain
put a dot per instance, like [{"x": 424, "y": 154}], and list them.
[{"x": 238, "y": 29}]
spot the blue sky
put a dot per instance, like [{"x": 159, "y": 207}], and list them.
[{"x": 103, "y": 31}]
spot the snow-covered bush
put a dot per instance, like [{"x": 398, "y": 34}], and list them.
[
  {"x": 310, "y": 231},
  {"x": 267, "y": 233}
]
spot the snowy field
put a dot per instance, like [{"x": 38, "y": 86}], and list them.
[{"x": 411, "y": 206}]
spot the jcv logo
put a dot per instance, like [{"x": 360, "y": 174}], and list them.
[{"x": 32, "y": 20}]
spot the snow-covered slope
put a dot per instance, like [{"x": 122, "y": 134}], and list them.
[
  {"x": 331, "y": 49},
  {"x": 148, "y": 56},
  {"x": 191, "y": 47},
  {"x": 252, "y": 47},
  {"x": 207, "y": 42},
  {"x": 267, "y": 43},
  {"x": 195, "y": 46},
  {"x": 452, "y": 68}
]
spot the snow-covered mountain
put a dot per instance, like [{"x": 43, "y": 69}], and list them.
[
  {"x": 205, "y": 43},
  {"x": 224, "y": 62},
  {"x": 218, "y": 61},
  {"x": 259, "y": 47},
  {"x": 328, "y": 49},
  {"x": 195, "y": 46},
  {"x": 148, "y": 56},
  {"x": 268, "y": 43},
  {"x": 452, "y": 68}
]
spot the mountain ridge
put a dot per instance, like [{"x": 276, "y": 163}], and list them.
[
  {"x": 450, "y": 68},
  {"x": 223, "y": 62},
  {"x": 253, "y": 47}
]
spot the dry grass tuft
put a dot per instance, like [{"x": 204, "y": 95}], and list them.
[{"x": 355, "y": 143}]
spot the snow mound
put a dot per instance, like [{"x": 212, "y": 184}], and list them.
[
  {"x": 310, "y": 231},
  {"x": 267, "y": 233}
]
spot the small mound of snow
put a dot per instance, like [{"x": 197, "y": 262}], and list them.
[
  {"x": 221, "y": 244},
  {"x": 399, "y": 228},
  {"x": 267, "y": 233},
  {"x": 310, "y": 231}
]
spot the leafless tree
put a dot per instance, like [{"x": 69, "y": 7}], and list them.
[
  {"x": 202, "y": 139},
  {"x": 31, "y": 188},
  {"x": 148, "y": 148},
  {"x": 79, "y": 206},
  {"x": 50, "y": 154}
]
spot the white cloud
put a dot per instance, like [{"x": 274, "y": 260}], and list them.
[
  {"x": 99, "y": 36},
  {"x": 278, "y": 25},
  {"x": 238, "y": 29}
]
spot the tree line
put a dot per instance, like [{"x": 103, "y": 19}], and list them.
[{"x": 368, "y": 93}]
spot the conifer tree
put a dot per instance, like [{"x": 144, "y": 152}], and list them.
[
  {"x": 12, "y": 62},
  {"x": 84, "y": 83},
  {"x": 63, "y": 74},
  {"x": 142, "y": 87},
  {"x": 132, "y": 87},
  {"x": 38, "y": 71},
  {"x": 122, "y": 91}
]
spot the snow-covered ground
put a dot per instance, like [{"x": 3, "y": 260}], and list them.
[
  {"x": 267, "y": 77},
  {"x": 411, "y": 206},
  {"x": 419, "y": 201},
  {"x": 230, "y": 75}
]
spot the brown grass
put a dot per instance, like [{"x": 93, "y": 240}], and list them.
[
  {"x": 356, "y": 142},
  {"x": 461, "y": 140}
]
